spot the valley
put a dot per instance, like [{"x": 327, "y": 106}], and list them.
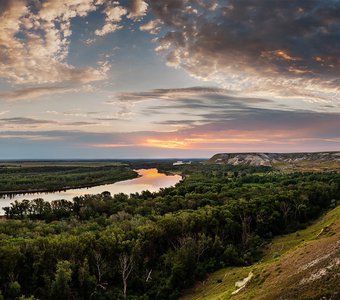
[{"x": 225, "y": 230}]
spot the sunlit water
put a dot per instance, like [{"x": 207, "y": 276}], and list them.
[{"x": 149, "y": 179}]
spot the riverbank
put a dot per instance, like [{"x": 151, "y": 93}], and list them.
[
  {"x": 28, "y": 179},
  {"x": 145, "y": 179},
  {"x": 37, "y": 191}
]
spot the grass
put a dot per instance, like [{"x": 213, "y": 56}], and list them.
[
  {"x": 289, "y": 262},
  {"x": 309, "y": 166}
]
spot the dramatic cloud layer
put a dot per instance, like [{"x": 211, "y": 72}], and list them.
[
  {"x": 262, "y": 47},
  {"x": 181, "y": 77},
  {"x": 212, "y": 118},
  {"x": 194, "y": 120},
  {"x": 248, "y": 45}
]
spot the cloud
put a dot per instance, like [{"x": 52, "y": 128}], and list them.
[
  {"x": 25, "y": 136},
  {"x": 4, "y": 112},
  {"x": 265, "y": 46},
  {"x": 122, "y": 115},
  {"x": 113, "y": 15},
  {"x": 34, "y": 42},
  {"x": 177, "y": 122},
  {"x": 167, "y": 94},
  {"x": 25, "y": 121},
  {"x": 137, "y": 9},
  {"x": 258, "y": 130},
  {"x": 185, "y": 119},
  {"x": 152, "y": 27},
  {"x": 34, "y": 92},
  {"x": 262, "y": 49},
  {"x": 191, "y": 97},
  {"x": 80, "y": 123},
  {"x": 107, "y": 28},
  {"x": 216, "y": 118},
  {"x": 248, "y": 130},
  {"x": 18, "y": 122},
  {"x": 178, "y": 104}
]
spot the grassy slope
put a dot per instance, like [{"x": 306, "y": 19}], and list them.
[
  {"x": 309, "y": 166},
  {"x": 301, "y": 265}
]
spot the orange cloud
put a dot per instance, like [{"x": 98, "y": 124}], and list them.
[
  {"x": 172, "y": 144},
  {"x": 212, "y": 141},
  {"x": 111, "y": 145},
  {"x": 285, "y": 55}
]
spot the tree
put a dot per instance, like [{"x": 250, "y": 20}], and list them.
[
  {"x": 87, "y": 282},
  {"x": 61, "y": 285},
  {"x": 126, "y": 263},
  {"x": 101, "y": 269},
  {"x": 246, "y": 222},
  {"x": 285, "y": 209},
  {"x": 14, "y": 289}
]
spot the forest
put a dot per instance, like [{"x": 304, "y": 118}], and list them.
[
  {"x": 154, "y": 245},
  {"x": 53, "y": 176}
]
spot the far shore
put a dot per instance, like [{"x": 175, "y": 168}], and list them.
[{"x": 64, "y": 189}]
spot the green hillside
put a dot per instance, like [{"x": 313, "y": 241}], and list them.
[{"x": 301, "y": 265}]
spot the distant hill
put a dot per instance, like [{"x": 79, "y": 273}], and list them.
[{"x": 277, "y": 159}]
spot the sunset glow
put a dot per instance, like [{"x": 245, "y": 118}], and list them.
[
  {"x": 144, "y": 78},
  {"x": 172, "y": 144}
]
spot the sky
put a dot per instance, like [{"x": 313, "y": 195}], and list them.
[{"x": 171, "y": 78}]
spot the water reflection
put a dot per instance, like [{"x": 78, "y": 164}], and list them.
[{"x": 150, "y": 179}]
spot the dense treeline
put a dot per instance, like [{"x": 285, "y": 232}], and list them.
[
  {"x": 153, "y": 245},
  {"x": 53, "y": 178}
]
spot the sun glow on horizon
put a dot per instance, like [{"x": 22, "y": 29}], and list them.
[
  {"x": 146, "y": 78},
  {"x": 170, "y": 144}
]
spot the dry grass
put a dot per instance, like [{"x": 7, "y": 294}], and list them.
[
  {"x": 309, "y": 166},
  {"x": 302, "y": 265}
]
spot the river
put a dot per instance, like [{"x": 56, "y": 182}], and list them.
[{"x": 149, "y": 179}]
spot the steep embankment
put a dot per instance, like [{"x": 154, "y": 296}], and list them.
[
  {"x": 301, "y": 265},
  {"x": 311, "y": 160}
]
